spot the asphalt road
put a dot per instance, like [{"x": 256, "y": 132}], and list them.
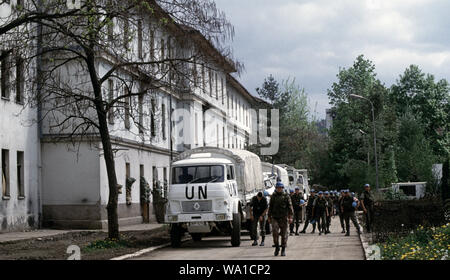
[{"x": 333, "y": 246}]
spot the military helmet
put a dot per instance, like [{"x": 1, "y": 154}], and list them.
[
  {"x": 279, "y": 185},
  {"x": 327, "y": 192}
]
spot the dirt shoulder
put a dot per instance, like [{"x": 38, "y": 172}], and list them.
[{"x": 92, "y": 244}]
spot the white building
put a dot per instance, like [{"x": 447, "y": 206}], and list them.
[
  {"x": 73, "y": 178},
  {"x": 19, "y": 145}
]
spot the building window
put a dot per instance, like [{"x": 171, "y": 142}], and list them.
[
  {"x": 203, "y": 78},
  {"x": 5, "y": 173},
  {"x": 217, "y": 87},
  {"x": 20, "y": 175},
  {"x": 4, "y": 78},
  {"x": 165, "y": 177},
  {"x": 126, "y": 30},
  {"x": 127, "y": 109},
  {"x": 152, "y": 118},
  {"x": 163, "y": 120},
  {"x": 110, "y": 30},
  {"x": 222, "y": 90},
  {"x": 139, "y": 31},
  {"x": 152, "y": 44},
  {"x": 141, "y": 171},
  {"x": 154, "y": 176},
  {"x": 141, "y": 113},
  {"x": 163, "y": 45},
  {"x": 19, "y": 79},
  {"x": 111, "y": 98},
  {"x": 210, "y": 82},
  {"x": 194, "y": 74},
  {"x": 218, "y": 137}
]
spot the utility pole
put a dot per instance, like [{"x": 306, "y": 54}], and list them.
[{"x": 374, "y": 134}]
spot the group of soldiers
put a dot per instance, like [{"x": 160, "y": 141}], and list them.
[{"x": 285, "y": 210}]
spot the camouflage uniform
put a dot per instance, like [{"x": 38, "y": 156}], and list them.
[
  {"x": 309, "y": 217},
  {"x": 280, "y": 208},
  {"x": 339, "y": 212},
  {"x": 319, "y": 208},
  {"x": 296, "y": 197},
  {"x": 349, "y": 213},
  {"x": 368, "y": 199},
  {"x": 330, "y": 213}
]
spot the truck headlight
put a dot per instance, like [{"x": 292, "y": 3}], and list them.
[
  {"x": 220, "y": 217},
  {"x": 172, "y": 218}
]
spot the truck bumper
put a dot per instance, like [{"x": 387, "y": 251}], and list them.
[{"x": 197, "y": 218}]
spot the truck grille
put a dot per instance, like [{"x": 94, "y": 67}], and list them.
[{"x": 196, "y": 206}]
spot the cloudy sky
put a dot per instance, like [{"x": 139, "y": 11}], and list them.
[{"x": 311, "y": 40}]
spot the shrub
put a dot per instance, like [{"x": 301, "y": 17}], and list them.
[{"x": 421, "y": 244}]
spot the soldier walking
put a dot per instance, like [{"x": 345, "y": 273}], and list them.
[
  {"x": 295, "y": 198},
  {"x": 280, "y": 213},
  {"x": 309, "y": 214},
  {"x": 367, "y": 201},
  {"x": 348, "y": 206},
  {"x": 329, "y": 210},
  {"x": 339, "y": 212},
  {"x": 320, "y": 212},
  {"x": 258, "y": 210}
]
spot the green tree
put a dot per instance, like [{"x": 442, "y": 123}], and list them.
[{"x": 429, "y": 101}]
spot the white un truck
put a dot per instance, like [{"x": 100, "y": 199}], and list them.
[{"x": 211, "y": 189}]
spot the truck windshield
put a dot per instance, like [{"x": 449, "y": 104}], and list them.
[{"x": 197, "y": 174}]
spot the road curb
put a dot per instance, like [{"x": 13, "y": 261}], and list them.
[
  {"x": 363, "y": 240},
  {"x": 145, "y": 251},
  {"x": 365, "y": 245}
]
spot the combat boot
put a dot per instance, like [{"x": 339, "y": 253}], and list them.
[
  {"x": 314, "y": 229},
  {"x": 348, "y": 233},
  {"x": 283, "y": 251},
  {"x": 262, "y": 241},
  {"x": 277, "y": 250},
  {"x": 255, "y": 243},
  {"x": 296, "y": 229}
]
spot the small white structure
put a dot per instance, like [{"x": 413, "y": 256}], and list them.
[{"x": 414, "y": 190}]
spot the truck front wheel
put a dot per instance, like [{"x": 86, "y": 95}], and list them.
[
  {"x": 236, "y": 230},
  {"x": 175, "y": 235}
]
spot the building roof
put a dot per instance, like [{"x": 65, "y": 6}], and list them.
[
  {"x": 250, "y": 97},
  {"x": 198, "y": 37}
]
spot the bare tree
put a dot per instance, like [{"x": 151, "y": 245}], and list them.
[{"x": 102, "y": 61}]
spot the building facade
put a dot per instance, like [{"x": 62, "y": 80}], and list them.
[{"x": 57, "y": 183}]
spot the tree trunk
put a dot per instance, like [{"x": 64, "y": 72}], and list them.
[{"x": 113, "y": 218}]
